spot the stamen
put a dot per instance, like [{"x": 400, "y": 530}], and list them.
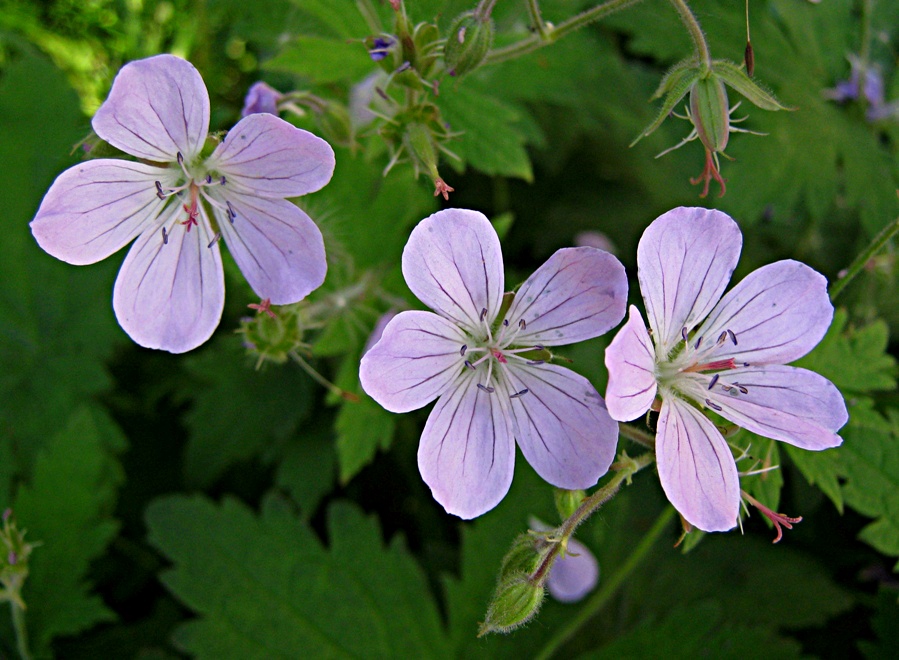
[
  {"x": 469, "y": 365},
  {"x": 713, "y": 406},
  {"x": 180, "y": 159},
  {"x": 745, "y": 364},
  {"x": 506, "y": 323},
  {"x": 463, "y": 349},
  {"x": 215, "y": 239},
  {"x": 208, "y": 179},
  {"x": 222, "y": 181},
  {"x": 741, "y": 388},
  {"x": 698, "y": 342},
  {"x": 232, "y": 215},
  {"x": 165, "y": 237},
  {"x": 486, "y": 388},
  {"x": 683, "y": 333},
  {"x": 722, "y": 337},
  {"x": 159, "y": 193},
  {"x": 536, "y": 362},
  {"x": 714, "y": 380},
  {"x": 483, "y": 313},
  {"x": 733, "y": 337},
  {"x": 518, "y": 394},
  {"x": 521, "y": 324}
]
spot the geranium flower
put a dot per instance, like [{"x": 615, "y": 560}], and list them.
[
  {"x": 574, "y": 574},
  {"x": 726, "y": 355},
  {"x": 484, "y": 363},
  {"x": 178, "y": 203}
]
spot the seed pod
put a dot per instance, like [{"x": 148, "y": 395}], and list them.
[
  {"x": 710, "y": 112},
  {"x": 470, "y": 39}
]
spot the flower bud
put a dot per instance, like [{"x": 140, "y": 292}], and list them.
[
  {"x": 567, "y": 501},
  {"x": 515, "y": 602},
  {"x": 470, "y": 39},
  {"x": 261, "y": 98},
  {"x": 525, "y": 555},
  {"x": 710, "y": 112},
  {"x": 419, "y": 142}
]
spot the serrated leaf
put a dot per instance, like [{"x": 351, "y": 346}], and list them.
[
  {"x": 322, "y": 60},
  {"x": 689, "y": 632},
  {"x": 263, "y": 585},
  {"x": 854, "y": 359},
  {"x": 236, "y": 411},
  {"x": 363, "y": 427},
  {"x": 67, "y": 507},
  {"x": 493, "y": 132}
]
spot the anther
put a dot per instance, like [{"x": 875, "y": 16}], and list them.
[
  {"x": 487, "y": 389},
  {"x": 463, "y": 349},
  {"x": 536, "y": 362},
  {"x": 165, "y": 237},
  {"x": 733, "y": 337},
  {"x": 483, "y": 313},
  {"x": 521, "y": 324},
  {"x": 538, "y": 347},
  {"x": 215, "y": 239},
  {"x": 714, "y": 380},
  {"x": 159, "y": 193},
  {"x": 180, "y": 159},
  {"x": 742, "y": 389},
  {"x": 745, "y": 364},
  {"x": 506, "y": 323},
  {"x": 222, "y": 181},
  {"x": 713, "y": 406},
  {"x": 208, "y": 179},
  {"x": 518, "y": 394},
  {"x": 232, "y": 216},
  {"x": 683, "y": 333},
  {"x": 698, "y": 342},
  {"x": 722, "y": 337},
  {"x": 469, "y": 365}
]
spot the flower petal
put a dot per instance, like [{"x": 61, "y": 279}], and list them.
[
  {"x": 578, "y": 294},
  {"x": 561, "y": 424},
  {"x": 277, "y": 246},
  {"x": 264, "y": 155},
  {"x": 685, "y": 259},
  {"x": 574, "y": 574},
  {"x": 467, "y": 452},
  {"x": 777, "y": 314},
  {"x": 790, "y": 404},
  {"x": 414, "y": 362},
  {"x": 454, "y": 264},
  {"x": 97, "y": 207},
  {"x": 170, "y": 296},
  {"x": 696, "y": 468},
  {"x": 630, "y": 361},
  {"x": 157, "y": 107}
]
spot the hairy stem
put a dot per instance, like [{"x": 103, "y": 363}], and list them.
[
  {"x": 692, "y": 25},
  {"x": 537, "y": 19},
  {"x": 639, "y": 436},
  {"x": 856, "y": 267},
  {"x": 484, "y": 9},
  {"x": 609, "y": 586},
  {"x": 18, "y": 622},
  {"x": 550, "y": 35}
]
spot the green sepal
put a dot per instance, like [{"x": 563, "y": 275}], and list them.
[
  {"x": 516, "y": 601},
  {"x": 679, "y": 85},
  {"x": 735, "y": 78},
  {"x": 674, "y": 75},
  {"x": 524, "y": 557},
  {"x": 567, "y": 501}
]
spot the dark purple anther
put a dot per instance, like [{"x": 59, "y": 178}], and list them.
[
  {"x": 518, "y": 394},
  {"x": 733, "y": 337},
  {"x": 380, "y": 48},
  {"x": 714, "y": 380},
  {"x": 488, "y": 390},
  {"x": 165, "y": 237},
  {"x": 463, "y": 349},
  {"x": 713, "y": 406}
]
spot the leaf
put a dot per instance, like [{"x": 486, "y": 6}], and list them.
[
  {"x": 308, "y": 469},
  {"x": 884, "y": 624},
  {"x": 854, "y": 359},
  {"x": 263, "y": 586},
  {"x": 690, "y": 632},
  {"x": 323, "y": 60},
  {"x": 761, "y": 453},
  {"x": 338, "y": 18},
  {"x": 362, "y": 428},
  {"x": 237, "y": 411},
  {"x": 820, "y": 468},
  {"x": 67, "y": 507},
  {"x": 870, "y": 464}
]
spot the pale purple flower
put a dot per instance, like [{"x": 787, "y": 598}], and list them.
[
  {"x": 484, "y": 363},
  {"x": 574, "y": 574},
  {"x": 261, "y": 98},
  {"x": 178, "y": 203},
  {"x": 726, "y": 355}
]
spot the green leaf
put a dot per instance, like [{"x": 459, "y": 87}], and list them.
[
  {"x": 337, "y": 18},
  {"x": 854, "y": 359},
  {"x": 67, "y": 507},
  {"x": 237, "y": 411},
  {"x": 323, "y": 60},
  {"x": 308, "y": 469},
  {"x": 690, "y": 632},
  {"x": 493, "y": 132},
  {"x": 362, "y": 428},
  {"x": 820, "y": 468},
  {"x": 884, "y": 624},
  {"x": 870, "y": 464},
  {"x": 263, "y": 586},
  {"x": 761, "y": 453}
]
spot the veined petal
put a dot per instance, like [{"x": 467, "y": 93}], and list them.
[
  {"x": 171, "y": 295},
  {"x": 264, "y": 155},
  {"x": 790, "y": 404},
  {"x": 467, "y": 450},
  {"x": 95, "y": 208},
  {"x": 414, "y": 362},
  {"x": 157, "y": 107},
  {"x": 696, "y": 468},
  {"x": 630, "y": 361},
  {"x": 561, "y": 424},
  {"x": 454, "y": 264},
  {"x": 277, "y": 246},
  {"x": 777, "y": 314},
  {"x": 685, "y": 259},
  {"x": 578, "y": 294}
]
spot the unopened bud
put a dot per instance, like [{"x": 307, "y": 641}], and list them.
[
  {"x": 525, "y": 555},
  {"x": 419, "y": 142},
  {"x": 710, "y": 112},
  {"x": 470, "y": 39},
  {"x": 567, "y": 501},
  {"x": 515, "y": 602}
]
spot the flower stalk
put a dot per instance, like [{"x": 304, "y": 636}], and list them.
[
  {"x": 862, "y": 259},
  {"x": 699, "y": 43}
]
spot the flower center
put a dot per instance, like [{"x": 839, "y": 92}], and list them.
[
  {"x": 190, "y": 192},
  {"x": 494, "y": 355}
]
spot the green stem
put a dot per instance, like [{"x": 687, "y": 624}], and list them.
[
  {"x": 856, "y": 267},
  {"x": 538, "y": 40},
  {"x": 537, "y": 19},
  {"x": 609, "y": 586},
  {"x": 484, "y": 9},
  {"x": 18, "y": 622},
  {"x": 639, "y": 436},
  {"x": 370, "y": 14},
  {"x": 692, "y": 25}
]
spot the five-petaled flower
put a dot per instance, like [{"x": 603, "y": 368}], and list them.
[
  {"x": 484, "y": 362},
  {"x": 177, "y": 201},
  {"x": 726, "y": 355}
]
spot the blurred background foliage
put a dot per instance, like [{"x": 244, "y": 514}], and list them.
[{"x": 219, "y": 505}]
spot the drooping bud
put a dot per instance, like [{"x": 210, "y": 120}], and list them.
[
  {"x": 710, "y": 113},
  {"x": 527, "y": 552},
  {"x": 470, "y": 39},
  {"x": 261, "y": 98},
  {"x": 567, "y": 501},
  {"x": 516, "y": 601}
]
